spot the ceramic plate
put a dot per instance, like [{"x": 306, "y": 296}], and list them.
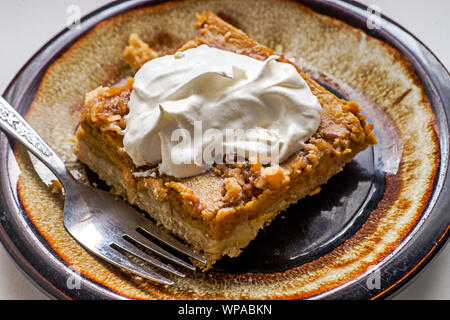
[{"x": 372, "y": 227}]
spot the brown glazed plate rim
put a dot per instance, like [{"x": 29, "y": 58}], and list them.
[{"x": 49, "y": 273}]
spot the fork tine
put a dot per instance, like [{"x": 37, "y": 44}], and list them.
[
  {"x": 150, "y": 228},
  {"x": 136, "y": 236},
  {"x": 119, "y": 260},
  {"x": 135, "y": 251}
]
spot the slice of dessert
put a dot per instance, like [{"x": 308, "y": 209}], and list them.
[{"x": 220, "y": 210}]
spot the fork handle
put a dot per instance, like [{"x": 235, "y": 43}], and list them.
[{"x": 16, "y": 127}]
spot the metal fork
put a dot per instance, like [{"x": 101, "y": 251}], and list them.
[{"x": 104, "y": 225}]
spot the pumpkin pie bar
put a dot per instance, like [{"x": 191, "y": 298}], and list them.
[{"x": 220, "y": 211}]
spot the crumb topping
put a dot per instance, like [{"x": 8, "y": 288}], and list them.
[{"x": 137, "y": 53}]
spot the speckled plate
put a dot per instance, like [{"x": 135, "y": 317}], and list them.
[{"x": 372, "y": 227}]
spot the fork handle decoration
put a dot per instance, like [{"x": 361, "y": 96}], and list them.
[
  {"x": 91, "y": 216},
  {"x": 16, "y": 127}
]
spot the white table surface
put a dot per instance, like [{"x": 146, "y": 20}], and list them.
[{"x": 25, "y": 25}]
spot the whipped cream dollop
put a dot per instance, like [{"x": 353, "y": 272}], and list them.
[{"x": 199, "y": 106}]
